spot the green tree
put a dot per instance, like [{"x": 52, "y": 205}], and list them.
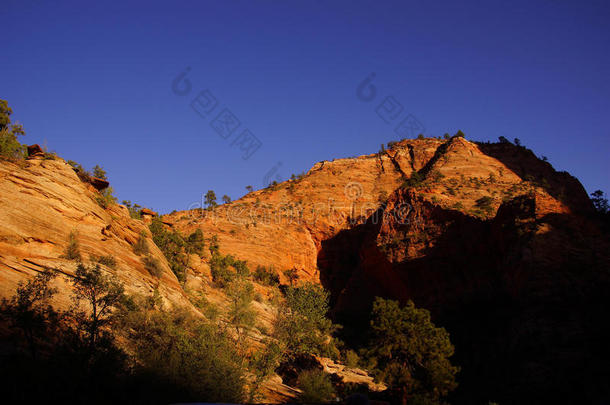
[
  {"x": 241, "y": 315},
  {"x": 186, "y": 352},
  {"x": 412, "y": 354},
  {"x": 99, "y": 172},
  {"x": 134, "y": 210},
  {"x": 141, "y": 246},
  {"x": 249, "y": 189},
  {"x": 29, "y": 309},
  {"x": 291, "y": 275},
  {"x": 105, "y": 198},
  {"x": 415, "y": 180},
  {"x": 226, "y": 199},
  {"x": 195, "y": 243},
  {"x": 210, "y": 199},
  {"x": 214, "y": 245},
  {"x": 220, "y": 268},
  {"x": 10, "y": 147},
  {"x": 266, "y": 276},
  {"x": 263, "y": 364},
  {"x": 173, "y": 246},
  {"x": 316, "y": 387},
  {"x": 301, "y": 324},
  {"x": 600, "y": 202},
  {"x": 101, "y": 293},
  {"x": 73, "y": 249}
]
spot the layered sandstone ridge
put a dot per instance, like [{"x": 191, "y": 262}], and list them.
[
  {"x": 41, "y": 203},
  {"x": 495, "y": 242},
  {"x": 284, "y": 226}
]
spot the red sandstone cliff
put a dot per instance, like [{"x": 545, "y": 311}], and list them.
[{"x": 495, "y": 242}]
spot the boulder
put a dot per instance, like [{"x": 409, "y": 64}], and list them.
[
  {"x": 98, "y": 184},
  {"x": 35, "y": 150},
  {"x": 146, "y": 211}
]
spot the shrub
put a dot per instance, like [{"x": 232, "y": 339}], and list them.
[
  {"x": 351, "y": 359},
  {"x": 210, "y": 200},
  {"x": 411, "y": 353},
  {"x": 600, "y": 202},
  {"x": 291, "y": 275},
  {"x": 29, "y": 310},
  {"x": 316, "y": 387},
  {"x": 10, "y": 148},
  {"x": 141, "y": 246},
  {"x": 484, "y": 203},
  {"x": 105, "y": 198},
  {"x": 101, "y": 294},
  {"x": 82, "y": 174},
  {"x": 219, "y": 266},
  {"x": 186, "y": 352},
  {"x": 99, "y": 172},
  {"x": 301, "y": 324},
  {"x": 436, "y": 175},
  {"x": 153, "y": 266},
  {"x": 241, "y": 315},
  {"x": 73, "y": 249},
  {"x": 134, "y": 210},
  {"x": 415, "y": 180},
  {"x": 173, "y": 246},
  {"x": 241, "y": 268},
  {"x": 266, "y": 276},
  {"x": 195, "y": 243},
  {"x": 214, "y": 245},
  {"x": 108, "y": 260}
]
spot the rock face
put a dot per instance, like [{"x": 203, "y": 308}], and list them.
[
  {"x": 496, "y": 243},
  {"x": 493, "y": 241},
  {"x": 35, "y": 150},
  {"x": 41, "y": 203},
  {"x": 99, "y": 184}
]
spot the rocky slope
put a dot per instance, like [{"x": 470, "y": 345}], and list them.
[
  {"x": 496, "y": 243},
  {"x": 42, "y": 201}
]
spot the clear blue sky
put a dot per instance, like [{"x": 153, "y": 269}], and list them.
[{"x": 95, "y": 83}]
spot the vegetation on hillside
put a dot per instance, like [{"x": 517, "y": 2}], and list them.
[
  {"x": 10, "y": 147},
  {"x": 176, "y": 247},
  {"x": 411, "y": 354}
]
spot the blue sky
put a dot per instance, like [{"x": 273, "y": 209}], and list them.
[{"x": 94, "y": 83}]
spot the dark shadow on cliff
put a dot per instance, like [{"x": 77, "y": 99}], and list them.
[
  {"x": 523, "y": 162},
  {"x": 524, "y": 299}
]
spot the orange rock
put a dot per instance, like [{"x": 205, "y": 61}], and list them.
[
  {"x": 35, "y": 150},
  {"x": 41, "y": 203}
]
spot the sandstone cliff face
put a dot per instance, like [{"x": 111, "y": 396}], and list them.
[
  {"x": 41, "y": 203},
  {"x": 492, "y": 240},
  {"x": 285, "y": 226}
]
